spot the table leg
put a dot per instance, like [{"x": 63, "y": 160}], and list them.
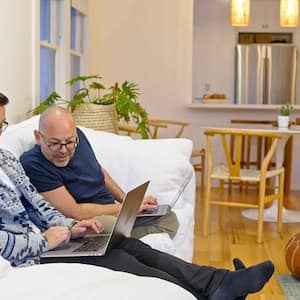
[{"x": 288, "y": 159}]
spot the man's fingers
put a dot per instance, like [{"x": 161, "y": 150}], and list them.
[
  {"x": 97, "y": 227},
  {"x": 92, "y": 224},
  {"x": 150, "y": 202}
]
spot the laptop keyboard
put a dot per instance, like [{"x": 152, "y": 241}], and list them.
[{"x": 92, "y": 244}]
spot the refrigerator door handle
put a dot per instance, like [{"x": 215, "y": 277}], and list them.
[
  {"x": 259, "y": 75},
  {"x": 260, "y": 69},
  {"x": 266, "y": 85},
  {"x": 293, "y": 75},
  {"x": 268, "y": 75}
]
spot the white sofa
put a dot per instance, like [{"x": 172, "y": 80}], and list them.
[
  {"x": 130, "y": 162},
  {"x": 82, "y": 282}
]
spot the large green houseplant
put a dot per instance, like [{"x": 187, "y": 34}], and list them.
[{"x": 124, "y": 98}]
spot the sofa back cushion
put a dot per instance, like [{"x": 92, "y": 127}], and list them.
[{"x": 19, "y": 137}]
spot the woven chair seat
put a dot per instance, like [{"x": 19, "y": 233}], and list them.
[{"x": 222, "y": 172}]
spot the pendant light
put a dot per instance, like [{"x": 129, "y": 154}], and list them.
[
  {"x": 240, "y": 12},
  {"x": 289, "y": 13}
]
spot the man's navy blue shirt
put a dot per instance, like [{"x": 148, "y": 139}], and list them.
[{"x": 82, "y": 177}]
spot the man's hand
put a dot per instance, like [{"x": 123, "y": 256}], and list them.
[
  {"x": 80, "y": 228},
  {"x": 57, "y": 235},
  {"x": 148, "y": 203}
]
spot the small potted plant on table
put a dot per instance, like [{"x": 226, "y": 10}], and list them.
[{"x": 284, "y": 115}]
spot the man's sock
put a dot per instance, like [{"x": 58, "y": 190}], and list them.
[
  {"x": 244, "y": 281},
  {"x": 238, "y": 265}
]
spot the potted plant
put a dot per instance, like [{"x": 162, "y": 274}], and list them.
[
  {"x": 92, "y": 109},
  {"x": 284, "y": 115}
]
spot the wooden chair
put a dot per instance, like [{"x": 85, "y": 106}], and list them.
[
  {"x": 156, "y": 124},
  {"x": 234, "y": 170},
  {"x": 198, "y": 155},
  {"x": 252, "y": 152},
  {"x": 128, "y": 129},
  {"x": 199, "y": 166}
]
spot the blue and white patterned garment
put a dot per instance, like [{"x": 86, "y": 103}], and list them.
[{"x": 23, "y": 219}]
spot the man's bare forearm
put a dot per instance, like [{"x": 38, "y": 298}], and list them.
[
  {"x": 114, "y": 188},
  {"x": 64, "y": 202},
  {"x": 90, "y": 210}
]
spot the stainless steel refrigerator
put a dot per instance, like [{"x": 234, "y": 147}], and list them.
[{"x": 265, "y": 74}]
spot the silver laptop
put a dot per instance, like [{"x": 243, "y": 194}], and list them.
[
  {"x": 158, "y": 211},
  {"x": 98, "y": 244}
]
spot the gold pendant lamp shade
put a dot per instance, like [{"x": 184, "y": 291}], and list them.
[
  {"x": 240, "y": 12},
  {"x": 289, "y": 13}
]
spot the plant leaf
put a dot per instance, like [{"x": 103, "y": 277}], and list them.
[
  {"x": 97, "y": 86},
  {"x": 83, "y": 79}
]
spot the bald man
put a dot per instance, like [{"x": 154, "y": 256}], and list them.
[{"x": 65, "y": 171}]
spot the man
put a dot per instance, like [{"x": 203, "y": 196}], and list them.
[
  {"x": 64, "y": 169},
  {"x": 30, "y": 226}
]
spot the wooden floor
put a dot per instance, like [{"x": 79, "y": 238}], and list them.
[{"x": 237, "y": 238}]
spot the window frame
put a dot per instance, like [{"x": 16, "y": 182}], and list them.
[
  {"x": 53, "y": 44},
  {"x": 80, "y": 41}
]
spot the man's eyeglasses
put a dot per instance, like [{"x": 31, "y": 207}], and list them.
[
  {"x": 3, "y": 125},
  {"x": 70, "y": 145}
]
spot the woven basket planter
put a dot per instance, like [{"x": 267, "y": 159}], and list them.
[{"x": 98, "y": 117}]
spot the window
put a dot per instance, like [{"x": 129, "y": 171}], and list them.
[
  {"x": 47, "y": 72},
  {"x": 48, "y": 46},
  {"x": 61, "y": 58},
  {"x": 77, "y": 45},
  {"x": 45, "y": 23}
]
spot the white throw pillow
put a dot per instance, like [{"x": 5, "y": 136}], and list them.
[
  {"x": 19, "y": 137},
  {"x": 165, "y": 162}
]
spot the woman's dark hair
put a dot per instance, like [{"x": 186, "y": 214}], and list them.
[{"x": 3, "y": 100}]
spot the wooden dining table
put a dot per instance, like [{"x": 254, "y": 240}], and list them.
[{"x": 270, "y": 213}]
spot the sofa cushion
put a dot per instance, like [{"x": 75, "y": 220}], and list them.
[
  {"x": 79, "y": 281},
  {"x": 19, "y": 137}
]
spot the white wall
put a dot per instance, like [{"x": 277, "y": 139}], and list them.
[
  {"x": 16, "y": 56},
  {"x": 213, "y": 56},
  {"x": 151, "y": 43}
]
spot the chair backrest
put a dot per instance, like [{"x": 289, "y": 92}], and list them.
[
  {"x": 259, "y": 147},
  {"x": 232, "y": 143},
  {"x": 155, "y": 124}
]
